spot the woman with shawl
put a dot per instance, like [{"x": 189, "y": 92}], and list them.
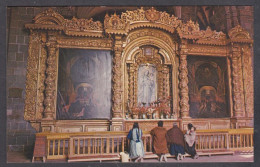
[
  {"x": 136, "y": 144},
  {"x": 190, "y": 138}
]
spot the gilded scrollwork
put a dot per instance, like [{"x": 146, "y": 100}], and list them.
[
  {"x": 240, "y": 35},
  {"x": 114, "y": 24},
  {"x": 83, "y": 43},
  {"x": 32, "y": 76},
  {"x": 207, "y": 50},
  {"x": 51, "y": 20},
  {"x": 191, "y": 30}
]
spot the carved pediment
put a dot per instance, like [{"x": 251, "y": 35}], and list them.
[
  {"x": 191, "y": 30},
  {"x": 49, "y": 17},
  {"x": 212, "y": 37},
  {"x": 239, "y": 34},
  {"x": 51, "y": 20},
  {"x": 114, "y": 24},
  {"x": 140, "y": 18}
]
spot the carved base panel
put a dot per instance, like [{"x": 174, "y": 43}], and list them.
[
  {"x": 116, "y": 124},
  {"x": 63, "y": 126},
  {"x": 242, "y": 122},
  {"x": 148, "y": 124},
  {"x": 207, "y": 123}
]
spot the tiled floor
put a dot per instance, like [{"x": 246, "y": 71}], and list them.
[{"x": 20, "y": 157}]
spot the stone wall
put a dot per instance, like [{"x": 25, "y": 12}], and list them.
[{"x": 20, "y": 135}]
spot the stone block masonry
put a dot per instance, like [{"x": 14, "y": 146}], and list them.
[{"x": 20, "y": 135}]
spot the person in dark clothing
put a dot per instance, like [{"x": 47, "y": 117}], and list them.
[
  {"x": 190, "y": 138},
  {"x": 175, "y": 138}
]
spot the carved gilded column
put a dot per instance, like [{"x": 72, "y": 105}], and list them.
[
  {"x": 131, "y": 86},
  {"x": 41, "y": 80},
  {"x": 50, "y": 81},
  {"x": 160, "y": 82},
  {"x": 237, "y": 82},
  {"x": 117, "y": 79},
  {"x": 248, "y": 80},
  {"x": 32, "y": 76},
  {"x": 166, "y": 81},
  {"x": 183, "y": 83}
]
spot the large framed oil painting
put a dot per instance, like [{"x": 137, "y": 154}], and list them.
[{"x": 84, "y": 84}]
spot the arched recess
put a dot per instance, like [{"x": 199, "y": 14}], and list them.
[{"x": 166, "y": 46}]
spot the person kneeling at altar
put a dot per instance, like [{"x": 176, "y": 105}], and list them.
[
  {"x": 136, "y": 144},
  {"x": 175, "y": 138},
  {"x": 190, "y": 138},
  {"x": 159, "y": 141}
]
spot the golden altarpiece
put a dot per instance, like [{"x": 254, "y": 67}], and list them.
[{"x": 151, "y": 51}]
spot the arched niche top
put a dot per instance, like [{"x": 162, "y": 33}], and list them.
[{"x": 167, "y": 49}]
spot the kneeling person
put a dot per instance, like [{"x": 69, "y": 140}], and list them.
[
  {"x": 159, "y": 141},
  {"x": 175, "y": 138}
]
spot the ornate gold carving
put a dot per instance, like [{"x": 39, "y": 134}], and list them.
[
  {"x": 40, "y": 98},
  {"x": 117, "y": 79},
  {"x": 50, "y": 90},
  {"x": 248, "y": 80},
  {"x": 191, "y": 30},
  {"x": 238, "y": 34},
  {"x": 147, "y": 32},
  {"x": 114, "y": 24},
  {"x": 32, "y": 76},
  {"x": 140, "y": 18},
  {"x": 51, "y": 20},
  {"x": 183, "y": 85},
  {"x": 49, "y": 17},
  {"x": 212, "y": 37},
  {"x": 237, "y": 87},
  {"x": 83, "y": 27},
  {"x": 69, "y": 42},
  {"x": 41, "y": 79},
  {"x": 207, "y": 50},
  {"x": 152, "y": 15}
]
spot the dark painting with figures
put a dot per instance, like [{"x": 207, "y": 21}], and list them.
[
  {"x": 84, "y": 84},
  {"x": 208, "y": 89}
]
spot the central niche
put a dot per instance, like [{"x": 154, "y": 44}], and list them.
[{"x": 149, "y": 85}]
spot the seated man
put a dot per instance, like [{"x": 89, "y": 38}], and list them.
[{"x": 175, "y": 138}]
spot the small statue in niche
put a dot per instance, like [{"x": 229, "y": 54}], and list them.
[{"x": 147, "y": 83}]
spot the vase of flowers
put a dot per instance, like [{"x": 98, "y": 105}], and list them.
[{"x": 135, "y": 112}]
